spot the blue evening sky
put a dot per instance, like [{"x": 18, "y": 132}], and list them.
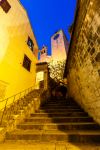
[{"x": 48, "y": 16}]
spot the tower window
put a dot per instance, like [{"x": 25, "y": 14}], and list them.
[
  {"x": 42, "y": 52},
  {"x": 56, "y": 36},
  {"x": 5, "y": 5},
  {"x": 30, "y": 43},
  {"x": 26, "y": 63}
]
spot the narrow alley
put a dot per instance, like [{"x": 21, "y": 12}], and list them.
[{"x": 50, "y": 102}]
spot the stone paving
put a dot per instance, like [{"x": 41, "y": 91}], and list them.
[{"x": 47, "y": 146}]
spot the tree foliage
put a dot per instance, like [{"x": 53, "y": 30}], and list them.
[{"x": 56, "y": 69}]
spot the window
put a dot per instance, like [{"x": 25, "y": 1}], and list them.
[
  {"x": 26, "y": 63},
  {"x": 56, "y": 36},
  {"x": 41, "y": 52},
  {"x": 5, "y": 5},
  {"x": 30, "y": 43}
]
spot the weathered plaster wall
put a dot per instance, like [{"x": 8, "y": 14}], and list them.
[{"x": 14, "y": 31}]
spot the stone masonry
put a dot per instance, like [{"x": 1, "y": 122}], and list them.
[{"x": 83, "y": 64}]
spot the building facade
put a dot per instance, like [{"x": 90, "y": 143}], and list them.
[
  {"x": 59, "y": 46},
  {"x": 18, "y": 49}
]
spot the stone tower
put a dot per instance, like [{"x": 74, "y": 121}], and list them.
[
  {"x": 43, "y": 53},
  {"x": 44, "y": 57},
  {"x": 59, "y": 46}
]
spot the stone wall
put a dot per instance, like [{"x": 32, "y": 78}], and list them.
[{"x": 83, "y": 64}]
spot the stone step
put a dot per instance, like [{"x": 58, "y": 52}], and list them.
[
  {"x": 60, "y": 126},
  {"x": 52, "y": 136},
  {"x": 59, "y": 114},
  {"x": 58, "y": 119},
  {"x": 61, "y": 102},
  {"x": 59, "y": 106},
  {"x": 59, "y": 110}
]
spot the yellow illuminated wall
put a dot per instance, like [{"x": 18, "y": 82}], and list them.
[
  {"x": 14, "y": 31},
  {"x": 39, "y": 78}
]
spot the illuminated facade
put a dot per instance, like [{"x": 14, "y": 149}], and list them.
[
  {"x": 59, "y": 46},
  {"x": 18, "y": 49},
  {"x": 44, "y": 57}
]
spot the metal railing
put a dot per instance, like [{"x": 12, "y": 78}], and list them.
[{"x": 13, "y": 104}]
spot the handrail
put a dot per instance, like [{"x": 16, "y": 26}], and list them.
[
  {"x": 25, "y": 92},
  {"x": 15, "y": 94}
]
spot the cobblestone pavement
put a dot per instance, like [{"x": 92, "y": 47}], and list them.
[{"x": 47, "y": 146}]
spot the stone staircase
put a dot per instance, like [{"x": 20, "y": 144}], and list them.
[{"x": 57, "y": 121}]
